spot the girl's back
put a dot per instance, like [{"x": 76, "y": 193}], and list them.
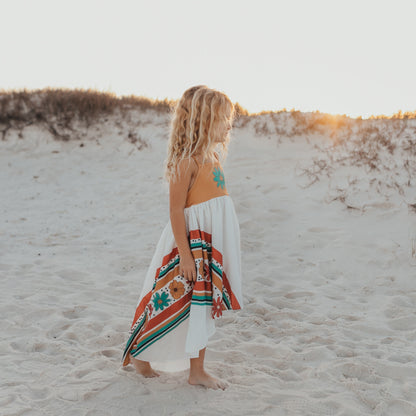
[{"x": 209, "y": 182}]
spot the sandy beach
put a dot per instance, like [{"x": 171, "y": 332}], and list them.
[{"x": 329, "y": 324}]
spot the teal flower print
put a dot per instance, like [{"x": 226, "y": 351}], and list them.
[
  {"x": 219, "y": 177},
  {"x": 161, "y": 300}
]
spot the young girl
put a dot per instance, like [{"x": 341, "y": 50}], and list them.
[{"x": 195, "y": 273}]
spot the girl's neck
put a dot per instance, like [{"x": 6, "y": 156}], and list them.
[{"x": 209, "y": 157}]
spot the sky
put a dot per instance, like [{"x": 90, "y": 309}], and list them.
[{"x": 352, "y": 57}]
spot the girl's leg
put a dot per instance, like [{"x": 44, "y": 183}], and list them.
[
  {"x": 143, "y": 367},
  {"x": 197, "y": 374}
]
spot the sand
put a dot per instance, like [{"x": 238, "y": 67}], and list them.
[{"x": 329, "y": 323}]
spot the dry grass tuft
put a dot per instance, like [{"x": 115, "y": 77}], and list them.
[
  {"x": 62, "y": 110},
  {"x": 385, "y": 151}
]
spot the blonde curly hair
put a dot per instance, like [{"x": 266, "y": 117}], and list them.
[{"x": 194, "y": 126}]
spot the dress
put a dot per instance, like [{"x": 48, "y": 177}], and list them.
[{"x": 174, "y": 317}]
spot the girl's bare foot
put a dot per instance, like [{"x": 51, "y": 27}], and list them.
[
  {"x": 144, "y": 368},
  {"x": 204, "y": 379},
  {"x": 198, "y": 375}
]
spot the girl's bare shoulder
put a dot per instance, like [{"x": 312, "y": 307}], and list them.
[{"x": 187, "y": 167}]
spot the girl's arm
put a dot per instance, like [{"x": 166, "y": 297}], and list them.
[{"x": 178, "y": 191}]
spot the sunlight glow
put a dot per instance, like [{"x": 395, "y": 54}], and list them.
[{"x": 332, "y": 57}]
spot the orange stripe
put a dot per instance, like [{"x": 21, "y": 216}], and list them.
[
  {"x": 164, "y": 280},
  {"x": 154, "y": 323},
  {"x": 169, "y": 310},
  {"x": 166, "y": 260},
  {"x": 151, "y": 331},
  {"x": 233, "y": 299}
]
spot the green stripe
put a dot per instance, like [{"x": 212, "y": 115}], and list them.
[
  {"x": 134, "y": 334},
  {"x": 161, "y": 274},
  {"x": 201, "y": 297},
  {"x": 226, "y": 300},
  {"x": 219, "y": 272},
  {"x": 201, "y": 303},
  {"x": 201, "y": 244},
  {"x": 167, "y": 328}
]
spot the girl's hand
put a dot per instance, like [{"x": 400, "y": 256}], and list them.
[{"x": 187, "y": 268}]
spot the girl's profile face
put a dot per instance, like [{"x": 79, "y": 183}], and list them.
[{"x": 223, "y": 128}]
